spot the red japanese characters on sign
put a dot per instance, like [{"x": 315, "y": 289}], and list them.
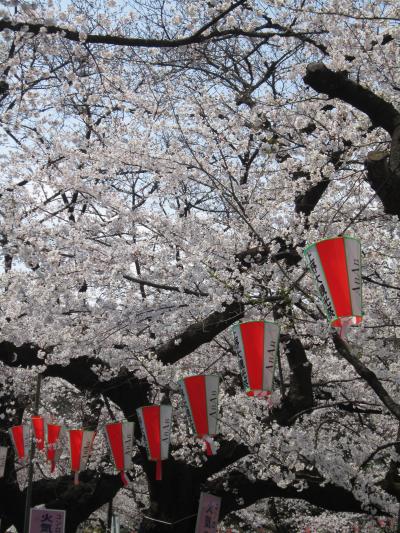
[
  {"x": 208, "y": 514},
  {"x": 47, "y": 521}
]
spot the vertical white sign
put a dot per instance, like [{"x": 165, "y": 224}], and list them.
[
  {"x": 47, "y": 520},
  {"x": 208, "y": 513},
  {"x": 115, "y": 524},
  {"x": 3, "y": 458}
]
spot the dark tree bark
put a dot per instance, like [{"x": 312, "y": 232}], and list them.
[{"x": 383, "y": 168}]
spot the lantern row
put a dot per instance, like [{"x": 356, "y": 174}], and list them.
[
  {"x": 336, "y": 266},
  {"x": 201, "y": 399},
  {"x": 201, "y": 395}
]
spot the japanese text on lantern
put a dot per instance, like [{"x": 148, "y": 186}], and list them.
[
  {"x": 86, "y": 448},
  {"x": 143, "y": 431},
  {"x": 213, "y": 400},
  {"x": 312, "y": 263},
  {"x": 270, "y": 359},
  {"x": 357, "y": 275},
  {"x": 166, "y": 429},
  {"x": 239, "y": 350}
]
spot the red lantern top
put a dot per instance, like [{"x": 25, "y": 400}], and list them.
[{"x": 336, "y": 265}]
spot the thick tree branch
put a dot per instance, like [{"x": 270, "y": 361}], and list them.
[
  {"x": 368, "y": 376},
  {"x": 300, "y": 395},
  {"x": 383, "y": 168},
  {"x": 228, "y": 453},
  {"x": 198, "y": 36},
  {"x": 383, "y": 180},
  {"x": 377, "y": 450},
  {"x": 163, "y": 286},
  {"x": 327, "y": 497},
  {"x": 202, "y": 35},
  {"x": 337, "y": 85},
  {"x": 306, "y": 202},
  {"x": 199, "y": 333}
]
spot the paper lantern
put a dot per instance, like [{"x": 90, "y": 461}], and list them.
[
  {"x": 20, "y": 437},
  {"x": 120, "y": 440},
  {"x": 80, "y": 445},
  {"x": 257, "y": 344},
  {"x": 3, "y": 459},
  {"x": 53, "y": 443},
  {"x": 38, "y": 431},
  {"x": 201, "y": 396},
  {"x": 155, "y": 423},
  {"x": 336, "y": 265}
]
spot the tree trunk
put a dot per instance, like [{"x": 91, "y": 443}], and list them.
[{"x": 174, "y": 499}]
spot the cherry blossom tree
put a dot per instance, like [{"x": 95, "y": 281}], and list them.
[{"x": 163, "y": 166}]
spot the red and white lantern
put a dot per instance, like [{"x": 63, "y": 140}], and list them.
[
  {"x": 155, "y": 423},
  {"x": 20, "y": 437},
  {"x": 201, "y": 396},
  {"x": 336, "y": 265},
  {"x": 38, "y": 431},
  {"x": 257, "y": 344},
  {"x": 53, "y": 443},
  {"x": 80, "y": 445},
  {"x": 120, "y": 440}
]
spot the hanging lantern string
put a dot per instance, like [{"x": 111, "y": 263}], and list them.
[
  {"x": 108, "y": 406},
  {"x": 169, "y": 523},
  {"x": 158, "y": 470},
  {"x": 124, "y": 478}
]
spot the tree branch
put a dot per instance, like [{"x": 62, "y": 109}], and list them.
[
  {"x": 199, "y": 333},
  {"x": 383, "y": 168},
  {"x": 337, "y": 85},
  {"x": 300, "y": 395},
  {"x": 163, "y": 286},
  {"x": 378, "y": 449},
  {"x": 76, "y": 36},
  {"x": 368, "y": 376},
  {"x": 327, "y": 497}
]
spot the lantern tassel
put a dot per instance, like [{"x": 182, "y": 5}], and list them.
[
  {"x": 124, "y": 479},
  {"x": 262, "y": 393},
  {"x": 210, "y": 445},
  {"x": 159, "y": 470},
  {"x": 345, "y": 326},
  {"x": 76, "y": 478},
  {"x": 53, "y": 466}
]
